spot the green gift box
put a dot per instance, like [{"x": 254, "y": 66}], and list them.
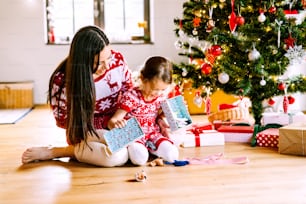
[{"x": 292, "y": 139}]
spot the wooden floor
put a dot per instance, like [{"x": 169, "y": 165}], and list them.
[{"x": 268, "y": 178}]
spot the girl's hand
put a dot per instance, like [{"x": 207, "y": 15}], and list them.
[
  {"x": 163, "y": 127},
  {"x": 113, "y": 123}
]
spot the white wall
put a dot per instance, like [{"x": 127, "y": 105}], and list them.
[{"x": 24, "y": 55}]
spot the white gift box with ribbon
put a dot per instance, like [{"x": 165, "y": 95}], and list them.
[{"x": 283, "y": 118}]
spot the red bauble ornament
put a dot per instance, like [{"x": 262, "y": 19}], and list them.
[
  {"x": 240, "y": 20},
  {"x": 271, "y": 102},
  {"x": 206, "y": 68},
  {"x": 174, "y": 92},
  {"x": 281, "y": 86},
  {"x": 196, "y": 22},
  {"x": 216, "y": 50},
  {"x": 291, "y": 99},
  {"x": 272, "y": 10}
]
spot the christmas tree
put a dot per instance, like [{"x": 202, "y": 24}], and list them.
[{"x": 241, "y": 47}]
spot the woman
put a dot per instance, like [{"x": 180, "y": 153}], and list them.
[{"x": 83, "y": 94}]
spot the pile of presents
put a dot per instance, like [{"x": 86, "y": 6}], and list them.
[{"x": 285, "y": 131}]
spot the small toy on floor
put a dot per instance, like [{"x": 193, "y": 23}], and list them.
[
  {"x": 141, "y": 176},
  {"x": 179, "y": 162},
  {"x": 156, "y": 162}
]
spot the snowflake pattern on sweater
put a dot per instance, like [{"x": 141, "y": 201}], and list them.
[
  {"x": 109, "y": 87},
  {"x": 146, "y": 113}
]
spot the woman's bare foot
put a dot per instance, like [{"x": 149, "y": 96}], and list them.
[{"x": 36, "y": 153}]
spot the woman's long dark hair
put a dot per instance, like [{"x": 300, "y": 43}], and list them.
[{"x": 79, "y": 67}]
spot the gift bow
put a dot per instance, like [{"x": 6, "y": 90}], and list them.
[{"x": 197, "y": 130}]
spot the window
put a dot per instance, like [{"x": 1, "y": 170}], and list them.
[
  {"x": 124, "y": 21},
  {"x": 65, "y": 17}
]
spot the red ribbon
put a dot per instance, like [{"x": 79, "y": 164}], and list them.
[
  {"x": 197, "y": 141},
  {"x": 197, "y": 130}
]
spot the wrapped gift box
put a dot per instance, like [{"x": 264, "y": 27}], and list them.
[
  {"x": 283, "y": 118},
  {"x": 176, "y": 112},
  {"x": 268, "y": 138},
  {"x": 218, "y": 123},
  {"x": 179, "y": 136},
  {"x": 236, "y": 113},
  {"x": 205, "y": 138},
  {"x": 200, "y": 126},
  {"x": 237, "y": 133},
  {"x": 292, "y": 139}
]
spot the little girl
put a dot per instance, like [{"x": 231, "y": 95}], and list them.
[{"x": 144, "y": 103}]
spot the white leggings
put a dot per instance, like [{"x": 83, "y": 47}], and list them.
[{"x": 139, "y": 154}]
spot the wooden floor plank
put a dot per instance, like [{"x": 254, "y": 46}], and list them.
[{"x": 269, "y": 177}]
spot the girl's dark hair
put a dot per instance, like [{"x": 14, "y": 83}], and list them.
[
  {"x": 79, "y": 67},
  {"x": 157, "y": 67}
]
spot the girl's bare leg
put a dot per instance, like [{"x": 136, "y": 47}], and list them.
[{"x": 46, "y": 153}]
